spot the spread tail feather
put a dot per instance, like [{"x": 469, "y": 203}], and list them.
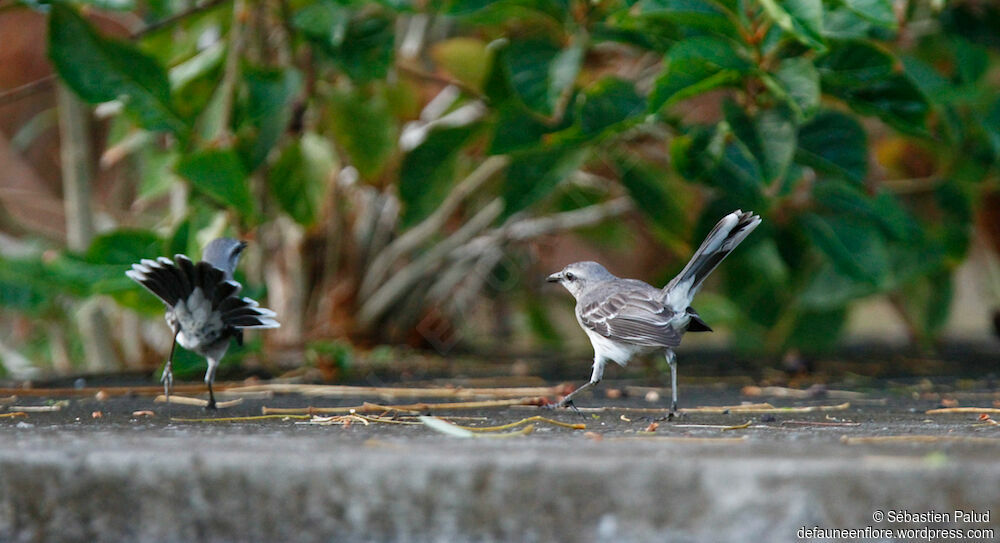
[
  {"x": 727, "y": 234},
  {"x": 177, "y": 280}
]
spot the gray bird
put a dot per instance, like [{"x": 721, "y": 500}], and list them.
[
  {"x": 625, "y": 317},
  {"x": 203, "y": 307}
]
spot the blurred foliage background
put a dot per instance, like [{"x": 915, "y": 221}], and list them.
[{"x": 407, "y": 171}]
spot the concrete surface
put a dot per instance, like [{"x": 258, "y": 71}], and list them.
[{"x": 134, "y": 479}]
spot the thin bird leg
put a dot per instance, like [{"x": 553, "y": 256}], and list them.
[
  {"x": 167, "y": 377},
  {"x": 672, "y": 360},
  {"x": 211, "y": 398},
  {"x": 594, "y": 379},
  {"x": 209, "y": 379}
]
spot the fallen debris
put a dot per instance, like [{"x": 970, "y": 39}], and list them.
[
  {"x": 345, "y": 391},
  {"x": 454, "y": 430},
  {"x": 412, "y": 408},
  {"x": 58, "y": 406},
  {"x": 960, "y": 410},
  {"x": 187, "y": 400}
]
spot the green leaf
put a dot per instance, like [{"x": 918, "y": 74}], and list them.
[
  {"x": 646, "y": 32},
  {"x": 926, "y": 301},
  {"x": 882, "y": 211},
  {"x": 854, "y": 64},
  {"x": 298, "y": 179},
  {"x": 974, "y": 21},
  {"x": 323, "y": 22},
  {"x": 540, "y": 72},
  {"x": 101, "y": 70},
  {"x": 864, "y": 76},
  {"x": 465, "y": 58},
  {"x": 563, "y": 70},
  {"x": 895, "y": 100},
  {"x": 829, "y": 290},
  {"x": 428, "y": 171},
  {"x": 359, "y": 42},
  {"x": 219, "y": 174},
  {"x": 770, "y": 137},
  {"x": 803, "y": 19},
  {"x": 991, "y": 124},
  {"x": 697, "y": 152},
  {"x": 695, "y": 66},
  {"x": 518, "y": 128},
  {"x": 703, "y": 16},
  {"x": 854, "y": 249},
  {"x": 971, "y": 60},
  {"x": 606, "y": 103},
  {"x": 879, "y": 12},
  {"x": 267, "y": 112},
  {"x": 817, "y": 331},
  {"x": 932, "y": 84},
  {"x": 740, "y": 174},
  {"x": 497, "y": 11},
  {"x": 840, "y": 23},
  {"x": 834, "y": 143},
  {"x": 123, "y": 247},
  {"x": 365, "y": 128},
  {"x": 799, "y": 79},
  {"x": 648, "y": 188},
  {"x": 957, "y": 222},
  {"x": 533, "y": 174},
  {"x": 25, "y": 285}
]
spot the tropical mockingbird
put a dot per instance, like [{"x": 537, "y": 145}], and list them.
[
  {"x": 203, "y": 307},
  {"x": 625, "y": 317}
]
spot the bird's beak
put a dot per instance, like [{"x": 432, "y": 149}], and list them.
[
  {"x": 555, "y": 277},
  {"x": 241, "y": 246}
]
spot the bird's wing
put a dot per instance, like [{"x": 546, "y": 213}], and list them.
[
  {"x": 246, "y": 313},
  {"x": 628, "y": 313},
  {"x": 174, "y": 280}
]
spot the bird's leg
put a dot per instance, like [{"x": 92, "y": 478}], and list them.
[
  {"x": 672, "y": 360},
  {"x": 594, "y": 379},
  {"x": 209, "y": 378},
  {"x": 167, "y": 377}
]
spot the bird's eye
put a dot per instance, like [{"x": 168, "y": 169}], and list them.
[{"x": 569, "y": 276}]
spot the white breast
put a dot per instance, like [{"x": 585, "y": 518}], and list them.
[{"x": 621, "y": 353}]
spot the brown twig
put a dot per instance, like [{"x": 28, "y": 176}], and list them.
[
  {"x": 345, "y": 391},
  {"x": 415, "y": 407},
  {"x": 184, "y": 400},
  {"x": 40, "y": 408},
  {"x": 817, "y": 423},
  {"x": 960, "y": 410}
]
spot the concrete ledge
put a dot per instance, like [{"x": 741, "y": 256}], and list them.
[{"x": 65, "y": 486}]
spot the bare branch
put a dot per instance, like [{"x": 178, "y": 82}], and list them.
[
  {"x": 378, "y": 303},
  {"x": 525, "y": 229},
  {"x": 416, "y": 236}
]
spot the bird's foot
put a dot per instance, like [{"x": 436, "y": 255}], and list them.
[
  {"x": 671, "y": 415},
  {"x": 210, "y": 406}
]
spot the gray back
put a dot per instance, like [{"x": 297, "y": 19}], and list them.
[{"x": 224, "y": 253}]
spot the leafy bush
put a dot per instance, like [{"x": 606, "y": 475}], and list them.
[{"x": 369, "y": 126}]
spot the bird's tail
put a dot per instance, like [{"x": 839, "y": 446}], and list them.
[
  {"x": 721, "y": 241},
  {"x": 201, "y": 286}
]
